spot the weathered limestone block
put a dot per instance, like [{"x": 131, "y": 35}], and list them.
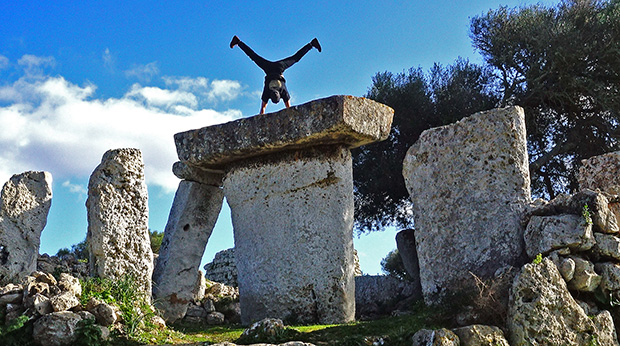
[
  {"x": 56, "y": 329},
  {"x": 603, "y": 213},
  {"x": 405, "y": 242},
  {"x": 542, "y": 311},
  {"x": 547, "y": 233},
  {"x": 480, "y": 335},
  {"x": 610, "y": 276},
  {"x": 343, "y": 120},
  {"x": 585, "y": 279},
  {"x": 24, "y": 204},
  {"x": 439, "y": 337},
  {"x": 601, "y": 172},
  {"x": 117, "y": 208},
  {"x": 293, "y": 222},
  {"x": 469, "y": 183},
  {"x": 607, "y": 245},
  {"x": 191, "y": 221},
  {"x": 203, "y": 176}
]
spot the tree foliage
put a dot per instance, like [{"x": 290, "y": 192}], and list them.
[
  {"x": 561, "y": 63},
  {"x": 420, "y": 102}
]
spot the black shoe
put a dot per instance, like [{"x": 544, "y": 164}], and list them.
[
  {"x": 315, "y": 43},
  {"x": 236, "y": 40}
]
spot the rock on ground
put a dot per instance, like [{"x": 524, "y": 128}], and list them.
[
  {"x": 469, "y": 183},
  {"x": 24, "y": 204},
  {"x": 117, "y": 208}
]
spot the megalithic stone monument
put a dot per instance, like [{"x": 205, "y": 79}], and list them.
[{"x": 289, "y": 183}]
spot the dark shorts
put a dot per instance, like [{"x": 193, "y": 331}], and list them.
[{"x": 274, "y": 91}]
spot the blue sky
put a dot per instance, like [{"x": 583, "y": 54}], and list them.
[{"x": 80, "y": 77}]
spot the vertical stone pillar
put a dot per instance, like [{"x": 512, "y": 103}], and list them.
[
  {"x": 293, "y": 222},
  {"x": 24, "y": 204},
  {"x": 469, "y": 182},
  {"x": 117, "y": 209},
  {"x": 193, "y": 215}
]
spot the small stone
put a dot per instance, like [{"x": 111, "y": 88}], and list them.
[
  {"x": 64, "y": 301},
  {"x": 42, "y": 304},
  {"x": 480, "y": 335},
  {"x": 585, "y": 279},
  {"x": 70, "y": 284},
  {"x": 567, "y": 269},
  {"x": 195, "y": 311},
  {"x": 215, "y": 318},
  {"x": 607, "y": 245},
  {"x": 439, "y": 337},
  {"x": 158, "y": 322},
  {"x": 208, "y": 305},
  {"x": 105, "y": 314},
  {"x": 610, "y": 274},
  {"x": 11, "y": 288},
  {"x": 264, "y": 328},
  {"x": 11, "y": 298}
]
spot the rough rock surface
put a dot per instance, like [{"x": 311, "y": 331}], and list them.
[
  {"x": 607, "y": 245},
  {"x": 344, "y": 120},
  {"x": 405, "y": 242},
  {"x": 585, "y": 278},
  {"x": 542, "y": 311},
  {"x": 547, "y": 233},
  {"x": 117, "y": 208},
  {"x": 24, "y": 204},
  {"x": 439, "y": 337},
  {"x": 56, "y": 329},
  {"x": 480, "y": 335},
  {"x": 469, "y": 183},
  {"x": 193, "y": 215},
  {"x": 207, "y": 177},
  {"x": 293, "y": 223},
  {"x": 601, "y": 172}
]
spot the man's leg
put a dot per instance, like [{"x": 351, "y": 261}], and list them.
[
  {"x": 262, "y": 107},
  {"x": 288, "y": 62},
  {"x": 260, "y": 61}
]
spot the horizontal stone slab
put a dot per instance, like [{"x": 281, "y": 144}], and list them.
[{"x": 347, "y": 120}]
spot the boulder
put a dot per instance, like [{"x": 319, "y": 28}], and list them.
[
  {"x": 117, "y": 208},
  {"x": 439, "y": 337},
  {"x": 469, "y": 184},
  {"x": 547, "y": 233},
  {"x": 267, "y": 327},
  {"x": 542, "y": 311},
  {"x": 585, "y": 278},
  {"x": 480, "y": 335},
  {"x": 193, "y": 215},
  {"x": 607, "y": 245},
  {"x": 215, "y": 318},
  {"x": 64, "y": 301},
  {"x": 56, "y": 329},
  {"x": 24, "y": 204},
  {"x": 610, "y": 277},
  {"x": 68, "y": 283},
  {"x": 105, "y": 314}
]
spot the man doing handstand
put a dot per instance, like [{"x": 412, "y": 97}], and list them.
[{"x": 275, "y": 84}]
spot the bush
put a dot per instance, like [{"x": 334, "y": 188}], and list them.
[
  {"x": 156, "y": 239},
  {"x": 393, "y": 265}
]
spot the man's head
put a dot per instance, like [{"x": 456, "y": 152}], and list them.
[{"x": 274, "y": 95}]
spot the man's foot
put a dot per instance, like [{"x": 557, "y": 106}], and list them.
[
  {"x": 315, "y": 43},
  {"x": 236, "y": 40}
]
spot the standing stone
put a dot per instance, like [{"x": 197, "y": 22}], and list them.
[
  {"x": 191, "y": 221},
  {"x": 542, "y": 311},
  {"x": 118, "y": 236},
  {"x": 303, "y": 201},
  {"x": 24, "y": 204},
  {"x": 405, "y": 242},
  {"x": 469, "y": 183},
  {"x": 601, "y": 172}
]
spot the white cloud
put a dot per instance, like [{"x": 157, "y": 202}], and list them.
[
  {"x": 143, "y": 72},
  {"x": 54, "y": 125},
  {"x": 75, "y": 188},
  {"x": 224, "y": 90},
  {"x": 4, "y": 62},
  {"x": 34, "y": 65}
]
